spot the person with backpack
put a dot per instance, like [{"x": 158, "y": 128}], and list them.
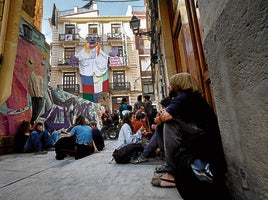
[
  {"x": 138, "y": 103},
  {"x": 123, "y": 106},
  {"x": 126, "y": 134},
  {"x": 128, "y": 142}
]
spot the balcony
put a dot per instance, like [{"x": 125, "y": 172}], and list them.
[
  {"x": 72, "y": 88},
  {"x": 93, "y": 35},
  {"x": 64, "y": 61},
  {"x": 119, "y": 87},
  {"x": 144, "y": 52},
  {"x": 68, "y": 37}
]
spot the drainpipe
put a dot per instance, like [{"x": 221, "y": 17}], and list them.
[{"x": 13, "y": 13}]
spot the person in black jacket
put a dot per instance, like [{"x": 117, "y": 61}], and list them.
[
  {"x": 97, "y": 136},
  {"x": 192, "y": 142}
]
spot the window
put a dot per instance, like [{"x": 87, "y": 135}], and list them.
[
  {"x": 116, "y": 31},
  {"x": 68, "y": 53},
  {"x": 119, "y": 80},
  {"x": 119, "y": 76},
  {"x": 27, "y": 32},
  {"x": 93, "y": 29},
  {"x": 69, "y": 29},
  {"x": 116, "y": 28},
  {"x": 148, "y": 87},
  {"x": 120, "y": 51},
  {"x": 69, "y": 78}
]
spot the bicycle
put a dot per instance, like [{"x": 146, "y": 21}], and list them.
[{"x": 109, "y": 130}]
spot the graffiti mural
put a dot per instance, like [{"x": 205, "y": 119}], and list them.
[
  {"x": 32, "y": 100},
  {"x": 61, "y": 109}
]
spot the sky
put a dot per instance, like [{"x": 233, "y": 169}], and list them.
[{"x": 105, "y": 9}]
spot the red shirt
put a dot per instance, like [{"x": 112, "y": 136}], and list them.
[{"x": 139, "y": 124}]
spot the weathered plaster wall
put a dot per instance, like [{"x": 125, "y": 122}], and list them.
[{"x": 236, "y": 46}]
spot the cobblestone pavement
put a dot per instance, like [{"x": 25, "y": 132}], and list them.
[{"x": 38, "y": 177}]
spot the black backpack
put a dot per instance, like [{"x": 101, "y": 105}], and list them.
[{"x": 123, "y": 155}]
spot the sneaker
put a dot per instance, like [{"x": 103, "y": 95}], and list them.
[
  {"x": 138, "y": 160},
  {"x": 202, "y": 171},
  {"x": 40, "y": 152}
]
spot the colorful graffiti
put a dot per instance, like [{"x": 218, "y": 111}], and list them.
[
  {"x": 61, "y": 109},
  {"x": 32, "y": 99}
]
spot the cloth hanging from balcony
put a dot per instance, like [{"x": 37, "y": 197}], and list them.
[
  {"x": 93, "y": 67},
  {"x": 93, "y": 86},
  {"x": 89, "y": 62}
]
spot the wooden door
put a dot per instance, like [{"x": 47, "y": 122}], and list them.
[{"x": 187, "y": 41}]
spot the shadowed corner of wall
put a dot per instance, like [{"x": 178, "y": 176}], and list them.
[{"x": 6, "y": 144}]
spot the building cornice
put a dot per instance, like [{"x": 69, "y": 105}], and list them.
[{"x": 95, "y": 19}]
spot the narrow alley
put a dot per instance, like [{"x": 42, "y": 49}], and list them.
[{"x": 28, "y": 176}]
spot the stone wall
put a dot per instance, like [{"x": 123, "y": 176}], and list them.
[{"x": 235, "y": 43}]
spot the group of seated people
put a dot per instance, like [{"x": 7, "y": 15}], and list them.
[
  {"x": 186, "y": 134},
  {"x": 82, "y": 140},
  {"x": 188, "y": 137},
  {"x": 37, "y": 140}
]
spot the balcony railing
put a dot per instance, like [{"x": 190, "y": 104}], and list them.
[
  {"x": 72, "y": 88},
  {"x": 124, "y": 86},
  {"x": 114, "y": 36},
  {"x": 93, "y": 35},
  {"x": 144, "y": 51},
  {"x": 64, "y": 61},
  {"x": 68, "y": 37}
]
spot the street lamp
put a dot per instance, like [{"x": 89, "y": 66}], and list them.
[{"x": 135, "y": 26}]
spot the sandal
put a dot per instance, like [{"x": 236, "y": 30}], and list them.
[
  {"x": 158, "y": 182},
  {"x": 166, "y": 177},
  {"x": 162, "y": 169}
]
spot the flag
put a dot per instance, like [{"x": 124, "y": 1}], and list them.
[
  {"x": 54, "y": 19},
  {"x": 88, "y": 5}
]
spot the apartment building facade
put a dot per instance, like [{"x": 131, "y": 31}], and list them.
[{"x": 104, "y": 48}]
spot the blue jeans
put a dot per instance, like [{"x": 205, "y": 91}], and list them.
[
  {"x": 150, "y": 148},
  {"x": 40, "y": 141}
]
